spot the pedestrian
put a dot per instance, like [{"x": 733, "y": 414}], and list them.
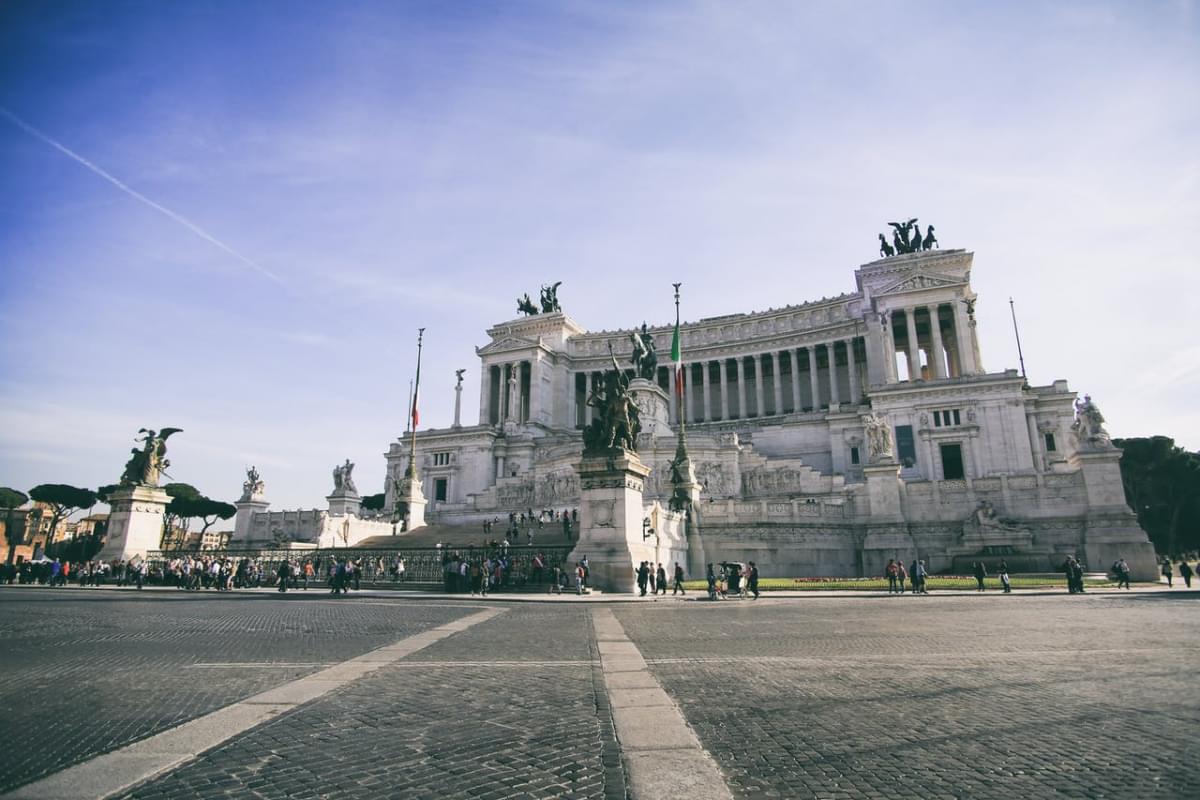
[
  {"x": 1004, "y": 579},
  {"x": 892, "y": 574},
  {"x": 678, "y": 580},
  {"x": 753, "y": 579},
  {"x": 980, "y": 574},
  {"x": 643, "y": 577},
  {"x": 1122, "y": 571},
  {"x": 918, "y": 576},
  {"x": 310, "y": 572},
  {"x": 650, "y": 576},
  {"x": 580, "y": 577},
  {"x": 1077, "y": 575},
  {"x": 901, "y": 575},
  {"x": 744, "y": 580},
  {"x": 1185, "y": 572},
  {"x": 661, "y": 580},
  {"x": 283, "y": 572},
  {"x": 1166, "y": 571},
  {"x": 712, "y": 582}
]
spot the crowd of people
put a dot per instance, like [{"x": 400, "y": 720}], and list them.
[{"x": 526, "y": 523}]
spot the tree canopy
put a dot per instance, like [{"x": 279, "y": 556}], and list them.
[
  {"x": 373, "y": 502},
  {"x": 11, "y": 498},
  {"x": 64, "y": 500},
  {"x": 1162, "y": 485},
  {"x": 188, "y": 503}
]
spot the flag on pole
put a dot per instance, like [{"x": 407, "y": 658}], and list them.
[
  {"x": 416, "y": 391},
  {"x": 677, "y": 357}
]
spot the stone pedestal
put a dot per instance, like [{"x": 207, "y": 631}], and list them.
[
  {"x": 654, "y": 406},
  {"x": 1111, "y": 530},
  {"x": 344, "y": 504},
  {"x": 414, "y": 499},
  {"x": 243, "y": 522},
  {"x": 135, "y": 522},
  {"x": 883, "y": 489},
  {"x": 610, "y": 520}
]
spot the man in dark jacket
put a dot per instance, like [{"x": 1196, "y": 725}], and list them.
[
  {"x": 643, "y": 577},
  {"x": 752, "y": 583}
]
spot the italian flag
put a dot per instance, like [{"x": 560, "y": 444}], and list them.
[
  {"x": 677, "y": 357},
  {"x": 416, "y": 392}
]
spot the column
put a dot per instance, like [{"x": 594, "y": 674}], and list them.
[
  {"x": 741, "y": 386},
  {"x": 687, "y": 393},
  {"x": 724, "y": 390},
  {"x": 535, "y": 394},
  {"x": 589, "y": 383},
  {"x": 852, "y": 367},
  {"x": 704, "y": 390},
  {"x": 776, "y": 368},
  {"x": 834, "y": 393},
  {"x": 937, "y": 359},
  {"x": 485, "y": 385},
  {"x": 812, "y": 374},
  {"x": 962, "y": 336},
  {"x": 914, "y": 350},
  {"x": 759, "y": 363},
  {"x": 797, "y": 400},
  {"x": 889, "y": 348}
]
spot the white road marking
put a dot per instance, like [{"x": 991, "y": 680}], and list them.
[
  {"x": 662, "y": 755},
  {"x": 121, "y": 770}
]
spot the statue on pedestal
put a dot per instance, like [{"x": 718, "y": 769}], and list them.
[
  {"x": 879, "y": 437},
  {"x": 343, "y": 481},
  {"x": 253, "y": 485},
  {"x": 906, "y": 238},
  {"x": 616, "y": 423},
  {"x": 526, "y": 306},
  {"x": 1088, "y": 427},
  {"x": 645, "y": 359},
  {"x": 145, "y": 465}
]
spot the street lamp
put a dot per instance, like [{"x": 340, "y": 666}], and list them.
[{"x": 647, "y": 530}]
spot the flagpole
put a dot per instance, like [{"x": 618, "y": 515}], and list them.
[
  {"x": 1017, "y": 333},
  {"x": 408, "y": 423},
  {"x": 412, "y": 455},
  {"x": 679, "y": 382}
]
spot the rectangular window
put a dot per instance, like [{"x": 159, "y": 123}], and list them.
[
  {"x": 441, "y": 459},
  {"x": 937, "y": 419},
  {"x": 439, "y": 489},
  {"x": 1051, "y": 447},
  {"x": 952, "y": 462},
  {"x": 957, "y": 421},
  {"x": 906, "y": 448},
  {"x": 853, "y": 455}
]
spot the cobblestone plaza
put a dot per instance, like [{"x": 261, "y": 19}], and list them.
[{"x": 440, "y": 696}]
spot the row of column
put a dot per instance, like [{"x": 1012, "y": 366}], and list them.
[
  {"x": 818, "y": 376},
  {"x": 506, "y": 393},
  {"x": 949, "y": 356}
]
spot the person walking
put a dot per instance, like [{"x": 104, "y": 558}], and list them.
[
  {"x": 661, "y": 579},
  {"x": 1005, "y": 582},
  {"x": 678, "y": 588},
  {"x": 283, "y": 572},
  {"x": 892, "y": 574},
  {"x": 1122, "y": 570},
  {"x": 643, "y": 577},
  {"x": 1185, "y": 572},
  {"x": 918, "y": 576},
  {"x": 980, "y": 574},
  {"x": 1166, "y": 571},
  {"x": 712, "y": 582},
  {"x": 752, "y": 579},
  {"x": 901, "y": 575}
]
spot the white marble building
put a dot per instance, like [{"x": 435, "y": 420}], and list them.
[{"x": 773, "y": 407}]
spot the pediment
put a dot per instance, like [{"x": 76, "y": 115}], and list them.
[
  {"x": 507, "y": 344},
  {"x": 921, "y": 280}
]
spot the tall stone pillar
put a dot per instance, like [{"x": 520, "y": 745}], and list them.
[
  {"x": 758, "y": 384},
  {"x": 135, "y": 522},
  {"x": 741, "y": 386},
  {"x": 724, "y": 389},
  {"x": 485, "y": 384},
  {"x": 889, "y": 348},
  {"x": 589, "y": 385},
  {"x": 835, "y": 398},
  {"x": 610, "y": 520},
  {"x": 458, "y": 404},
  {"x": 914, "y": 347},
  {"x": 852, "y": 369},
  {"x": 814, "y": 379},
  {"x": 707, "y": 407},
  {"x": 687, "y": 393},
  {"x": 776, "y": 369},
  {"x": 962, "y": 336},
  {"x": 937, "y": 358},
  {"x": 797, "y": 399}
]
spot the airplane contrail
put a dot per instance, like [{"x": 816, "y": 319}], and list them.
[{"x": 191, "y": 226}]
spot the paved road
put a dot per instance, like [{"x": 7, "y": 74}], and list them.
[{"x": 992, "y": 696}]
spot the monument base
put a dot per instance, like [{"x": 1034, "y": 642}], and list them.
[
  {"x": 135, "y": 523},
  {"x": 414, "y": 501},
  {"x": 611, "y": 520}
]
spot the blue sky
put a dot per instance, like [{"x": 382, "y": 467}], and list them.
[{"x": 328, "y": 177}]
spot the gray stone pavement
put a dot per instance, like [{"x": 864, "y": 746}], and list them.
[{"x": 831, "y": 697}]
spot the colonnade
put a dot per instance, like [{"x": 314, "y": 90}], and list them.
[
  {"x": 941, "y": 333},
  {"x": 506, "y": 396}
]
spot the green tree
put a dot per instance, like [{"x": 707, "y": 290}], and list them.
[
  {"x": 1162, "y": 485},
  {"x": 373, "y": 502},
  {"x": 187, "y": 503},
  {"x": 11, "y": 499},
  {"x": 63, "y": 500}
]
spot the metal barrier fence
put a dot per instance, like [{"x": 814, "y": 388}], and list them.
[{"x": 377, "y": 567}]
